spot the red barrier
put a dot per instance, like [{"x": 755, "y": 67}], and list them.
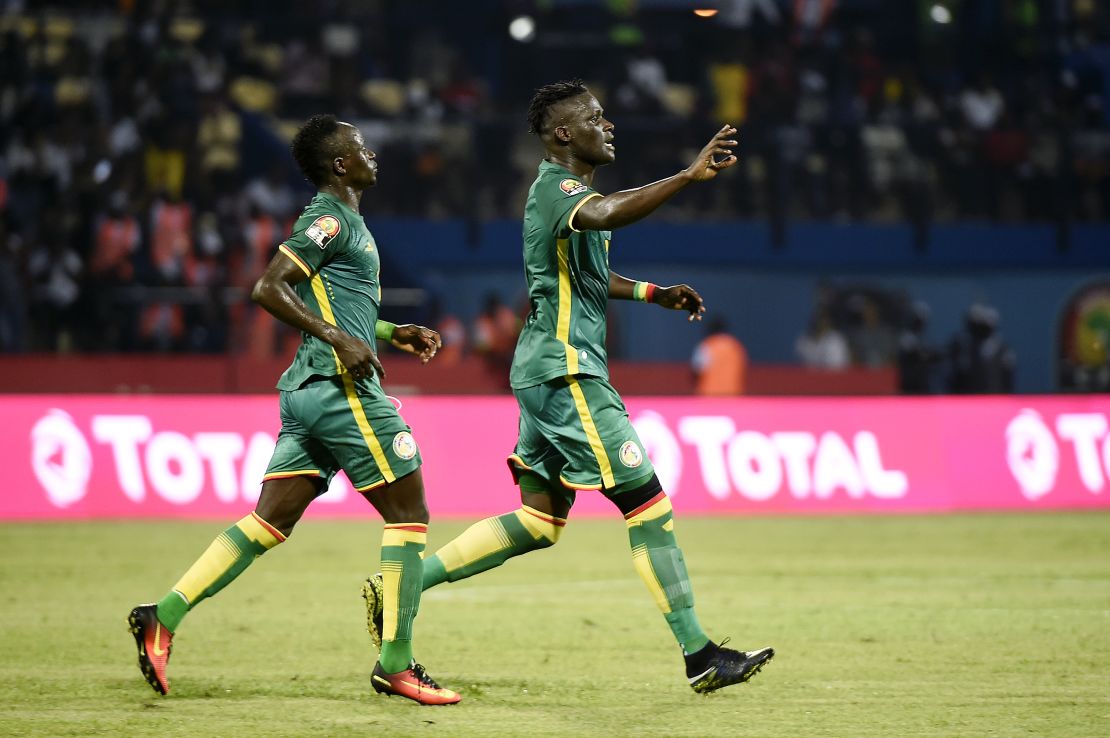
[
  {"x": 145, "y": 374},
  {"x": 203, "y": 456}
]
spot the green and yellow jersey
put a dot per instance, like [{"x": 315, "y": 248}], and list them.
[
  {"x": 333, "y": 247},
  {"x": 568, "y": 284}
]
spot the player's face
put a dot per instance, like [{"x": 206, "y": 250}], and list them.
[
  {"x": 591, "y": 134},
  {"x": 361, "y": 162}
]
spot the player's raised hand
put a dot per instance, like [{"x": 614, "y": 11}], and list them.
[
  {"x": 716, "y": 155},
  {"x": 416, "y": 339},
  {"x": 357, "y": 356},
  {"x": 680, "y": 297}
]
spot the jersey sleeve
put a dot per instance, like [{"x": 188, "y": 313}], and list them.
[
  {"x": 560, "y": 199},
  {"x": 315, "y": 241}
]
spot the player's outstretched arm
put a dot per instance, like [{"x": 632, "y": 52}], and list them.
[
  {"x": 628, "y": 206},
  {"x": 416, "y": 339},
  {"x": 675, "y": 297},
  {"x": 274, "y": 292}
]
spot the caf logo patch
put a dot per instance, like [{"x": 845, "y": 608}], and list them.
[
  {"x": 630, "y": 454},
  {"x": 572, "y": 186},
  {"x": 404, "y": 445},
  {"x": 323, "y": 230}
]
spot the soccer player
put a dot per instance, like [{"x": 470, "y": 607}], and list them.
[
  {"x": 574, "y": 431},
  {"x": 324, "y": 280}
]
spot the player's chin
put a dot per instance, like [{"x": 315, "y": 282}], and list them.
[{"x": 609, "y": 153}]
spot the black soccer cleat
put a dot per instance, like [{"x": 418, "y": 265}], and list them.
[
  {"x": 154, "y": 642},
  {"x": 728, "y": 666},
  {"x": 373, "y": 592}
]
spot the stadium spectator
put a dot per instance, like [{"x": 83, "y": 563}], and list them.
[
  {"x": 871, "y": 340},
  {"x": 981, "y": 361},
  {"x": 823, "y": 346},
  {"x": 720, "y": 362},
  {"x": 918, "y": 361},
  {"x": 494, "y": 335}
]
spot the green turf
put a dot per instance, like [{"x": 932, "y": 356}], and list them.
[{"x": 894, "y": 627}]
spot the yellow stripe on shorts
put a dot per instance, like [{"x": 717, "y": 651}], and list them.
[{"x": 591, "y": 432}]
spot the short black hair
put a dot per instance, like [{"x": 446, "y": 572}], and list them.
[
  {"x": 547, "y": 96},
  {"x": 314, "y": 147}
]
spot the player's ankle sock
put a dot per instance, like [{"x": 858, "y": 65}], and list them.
[
  {"x": 660, "y": 563},
  {"x": 402, "y": 573},
  {"x": 698, "y": 662},
  {"x": 490, "y": 543},
  {"x": 226, "y": 558}
]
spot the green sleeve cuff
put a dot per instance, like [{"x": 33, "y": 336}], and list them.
[{"x": 384, "y": 330}]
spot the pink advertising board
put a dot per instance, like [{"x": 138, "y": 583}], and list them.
[{"x": 101, "y": 456}]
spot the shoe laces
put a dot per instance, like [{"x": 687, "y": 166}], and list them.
[{"x": 422, "y": 676}]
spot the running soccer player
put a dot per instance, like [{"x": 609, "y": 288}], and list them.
[
  {"x": 324, "y": 280},
  {"x": 574, "y": 431}
]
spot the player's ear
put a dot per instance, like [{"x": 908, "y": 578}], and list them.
[
  {"x": 338, "y": 166},
  {"x": 561, "y": 134}
]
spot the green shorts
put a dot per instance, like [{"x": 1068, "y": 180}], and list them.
[
  {"x": 575, "y": 432},
  {"x": 334, "y": 423}
]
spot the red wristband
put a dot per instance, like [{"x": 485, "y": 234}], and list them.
[{"x": 649, "y": 292}]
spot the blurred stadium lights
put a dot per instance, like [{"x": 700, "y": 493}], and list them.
[
  {"x": 705, "y": 12},
  {"x": 940, "y": 14},
  {"x": 522, "y": 29}
]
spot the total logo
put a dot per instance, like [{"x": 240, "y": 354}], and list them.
[
  {"x": 758, "y": 466},
  {"x": 173, "y": 465},
  {"x": 1033, "y": 450},
  {"x": 60, "y": 458}
]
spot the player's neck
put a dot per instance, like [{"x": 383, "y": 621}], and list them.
[
  {"x": 575, "y": 166},
  {"x": 346, "y": 195}
]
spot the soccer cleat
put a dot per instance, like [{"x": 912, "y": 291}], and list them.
[
  {"x": 728, "y": 666},
  {"x": 154, "y": 642},
  {"x": 373, "y": 593},
  {"x": 413, "y": 683}
]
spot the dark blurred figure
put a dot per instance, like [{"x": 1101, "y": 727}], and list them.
[
  {"x": 870, "y": 338},
  {"x": 720, "y": 362},
  {"x": 981, "y": 362},
  {"x": 917, "y": 360}
]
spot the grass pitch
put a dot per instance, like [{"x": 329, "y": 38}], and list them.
[{"x": 894, "y": 627}]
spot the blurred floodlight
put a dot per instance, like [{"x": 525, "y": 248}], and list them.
[
  {"x": 940, "y": 14},
  {"x": 705, "y": 12},
  {"x": 522, "y": 29}
]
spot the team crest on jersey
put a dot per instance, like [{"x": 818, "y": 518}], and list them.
[
  {"x": 404, "y": 445},
  {"x": 631, "y": 455},
  {"x": 323, "y": 230},
  {"x": 572, "y": 186}
]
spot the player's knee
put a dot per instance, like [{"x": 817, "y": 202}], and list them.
[
  {"x": 544, "y": 529},
  {"x": 637, "y": 494}
]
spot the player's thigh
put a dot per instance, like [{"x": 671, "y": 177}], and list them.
[
  {"x": 536, "y": 464},
  {"x": 298, "y": 453},
  {"x": 588, "y": 423},
  {"x": 363, "y": 430}
]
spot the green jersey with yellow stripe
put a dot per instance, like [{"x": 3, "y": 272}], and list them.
[
  {"x": 331, "y": 244},
  {"x": 568, "y": 284}
]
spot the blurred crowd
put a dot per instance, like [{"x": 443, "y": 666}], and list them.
[
  {"x": 868, "y": 327},
  {"x": 145, "y": 178}
]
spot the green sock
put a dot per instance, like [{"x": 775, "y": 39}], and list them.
[
  {"x": 224, "y": 559},
  {"x": 490, "y": 543},
  {"x": 660, "y": 563},
  {"x": 402, "y": 574}
]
